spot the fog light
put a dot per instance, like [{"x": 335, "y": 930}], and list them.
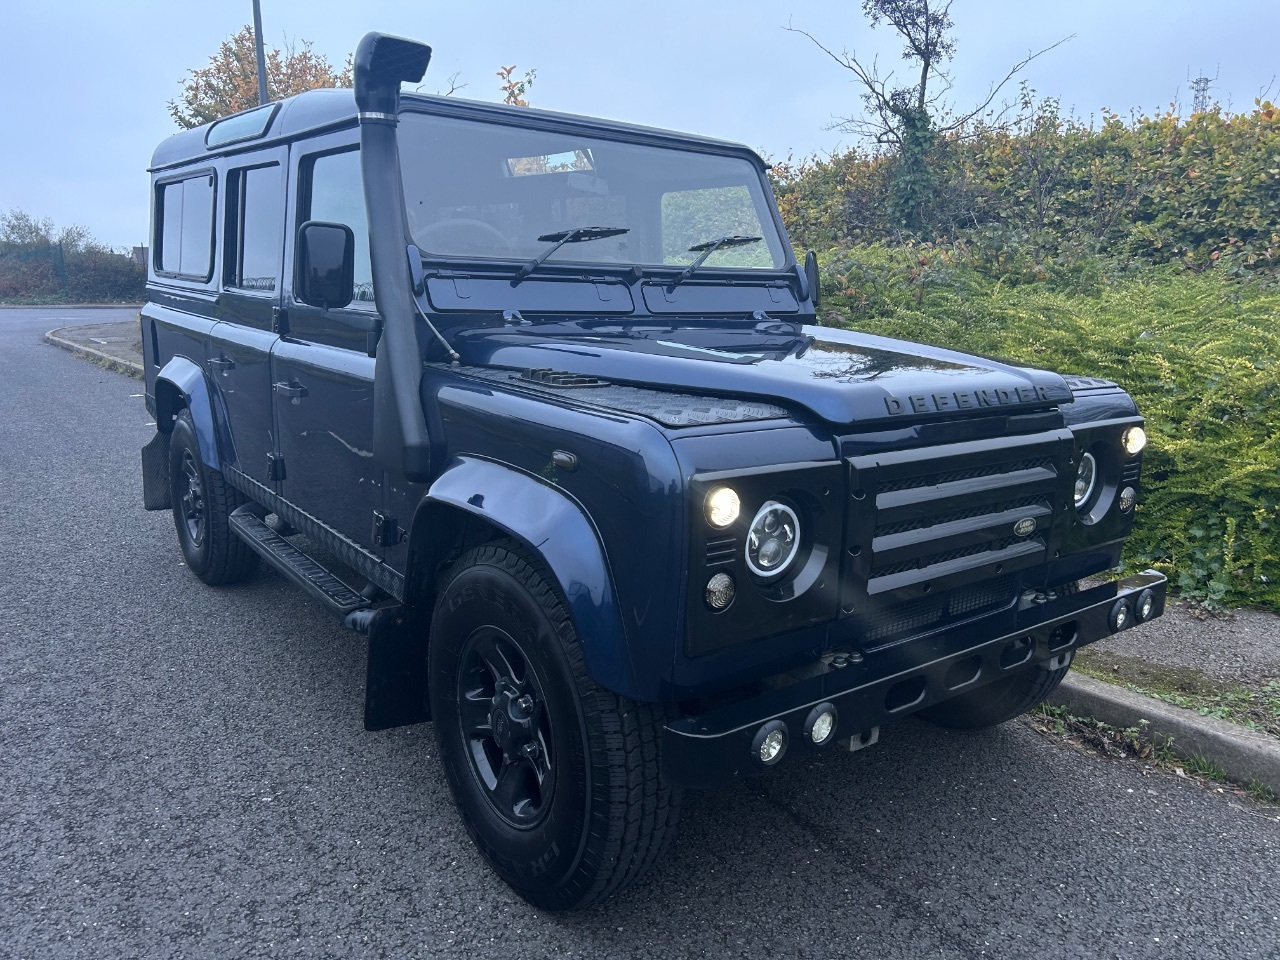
[
  {"x": 1128, "y": 497},
  {"x": 770, "y": 742},
  {"x": 1120, "y": 615},
  {"x": 1146, "y": 605},
  {"x": 720, "y": 590},
  {"x": 723, "y": 506},
  {"x": 820, "y": 725},
  {"x": 1135, "y": 438}
]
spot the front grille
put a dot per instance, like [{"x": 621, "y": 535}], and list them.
[
  {"x": 940, "y": 533},
  {"x": 900, "y": 620},
  {"x": 969, "y": 473}
]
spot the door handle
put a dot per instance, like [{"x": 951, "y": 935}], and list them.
[
  {"x": 222, "y": 364},
  {"x": 293, "y": 389}
]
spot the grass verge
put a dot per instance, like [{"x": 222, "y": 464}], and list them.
[{"x": 1136, "y": 745}]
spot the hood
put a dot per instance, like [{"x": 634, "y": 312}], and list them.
[{"x": 842, "y": 376}]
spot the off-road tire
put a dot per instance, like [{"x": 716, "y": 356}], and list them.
[
  {"x": 214, "y": 554},
  {"x": 609, "y": 814},
  {"x": 997, "y": 702}
]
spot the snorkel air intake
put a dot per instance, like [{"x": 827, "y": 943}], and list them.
[{"x": 400, "y": 441}]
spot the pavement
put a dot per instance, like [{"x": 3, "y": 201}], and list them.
[{"x": 1242, "y": 647}]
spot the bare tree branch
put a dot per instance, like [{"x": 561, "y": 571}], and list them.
[{"x": 1014, "y": 70}]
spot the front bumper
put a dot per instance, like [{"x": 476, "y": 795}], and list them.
[{"x": 712, "y": 748}]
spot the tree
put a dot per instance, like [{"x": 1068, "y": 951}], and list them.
[
  {"x": 229, "y": 83},
  {"x": 513, "y": 90},
  {"x": 912, "y": 118}
]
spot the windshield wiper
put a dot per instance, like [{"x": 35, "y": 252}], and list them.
[
  {"x": 559, "y": 239},
  {"x": 708, "y": 247}
]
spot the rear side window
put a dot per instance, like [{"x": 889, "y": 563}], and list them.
[
  {"x": 335, "y": 194},
  {"x": 185, "y": 230},
  {"x": 255, "y": 216}
]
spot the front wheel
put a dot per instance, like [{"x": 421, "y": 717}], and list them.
[
  {"x": 997, "y": 702},
  {"x": 557, "y": 779}
]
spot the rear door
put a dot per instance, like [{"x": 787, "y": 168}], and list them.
[
  {"x": 239, "y": 359},
  {"x": 322, "y": 373}
]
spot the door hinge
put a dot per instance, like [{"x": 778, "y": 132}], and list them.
[
  {"x": 386, "y": 531},
  {"x": 275, "y": 466},
  {"x": 279, "y": 320}
]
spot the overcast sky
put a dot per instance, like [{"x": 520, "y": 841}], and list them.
[{"x": 86, "y": 83}]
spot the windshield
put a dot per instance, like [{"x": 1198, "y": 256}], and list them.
[{"x": 477, "y": 189}]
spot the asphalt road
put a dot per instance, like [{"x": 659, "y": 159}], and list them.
[{"x": 184, "y": 773}]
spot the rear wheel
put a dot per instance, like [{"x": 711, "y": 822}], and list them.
[
  {"x": 202, "y": 502},
  {"x": 557, "y": 779}
]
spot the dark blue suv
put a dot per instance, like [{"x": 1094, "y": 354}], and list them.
[{"x": 540, "y": 404}]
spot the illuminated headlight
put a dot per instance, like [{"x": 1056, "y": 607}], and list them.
[
  {"x": 1133, "y": 441},
  {"x": 722, "y": 507},
  {"x": 773, "y": 540},
  {"x": 1086, "y": 479}
]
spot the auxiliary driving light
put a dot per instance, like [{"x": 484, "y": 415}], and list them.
[
  {"x": 722, "y": 506},
  {"x": 1120, "y": 616},
  {"x": 1134, "y": 439},
  {"x": 820, "y": 725},
  {"x": 1146, "y": 605},
  {"x": 720, "y": 590},
  {"x": 770, "y": 742}
]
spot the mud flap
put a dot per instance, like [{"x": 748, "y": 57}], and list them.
[
  {"x": 395, "y": 691},
  {"x": 155, "y": 473}
]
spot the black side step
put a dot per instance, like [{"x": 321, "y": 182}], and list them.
[{"x": 294, "y": 564}]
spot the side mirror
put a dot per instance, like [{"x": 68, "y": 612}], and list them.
[
  {"x": 326, "y": 264},
  {"x": 811, "y": 275}
]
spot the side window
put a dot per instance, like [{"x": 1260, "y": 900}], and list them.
[
  {"x": 335, "y": 194},
  {"x": 184, "y": 233},
  {"x": 255, "y": 215}
]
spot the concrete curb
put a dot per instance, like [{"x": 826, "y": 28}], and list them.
[
  {"x": 128, "y": 367},
  {"x": 1244, "y": 756}
]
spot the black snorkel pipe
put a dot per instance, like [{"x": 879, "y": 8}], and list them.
[{"x": 400, "y": 441}]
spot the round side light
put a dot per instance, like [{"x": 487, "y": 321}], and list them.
[
  {"x": 1134, "y": 440},
  {"x": 722, "y": 507},
  {"x": 720, "y": 591}
]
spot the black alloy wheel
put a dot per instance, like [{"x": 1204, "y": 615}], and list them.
[
  {"x": 558, "y": 780},
  {"x": 202, "y": 503},
  {"x": 506, "y": 726}
]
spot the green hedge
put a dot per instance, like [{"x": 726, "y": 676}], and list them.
[{"x": 1199, "y": 352}]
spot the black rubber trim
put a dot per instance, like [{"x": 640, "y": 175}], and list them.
[{"x": 352, "y": 554}]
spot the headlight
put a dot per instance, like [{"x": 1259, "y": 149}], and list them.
[
  {"x": 1086, "y": 479},
  {"x": 773, "y": 540},
  {"x": 1134, "y": 440},
  {"x": 722, "y": 507}
]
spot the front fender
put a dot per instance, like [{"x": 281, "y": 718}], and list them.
[
  {"x": 186, "y": 380},
  {"x": 552, "y": 525}
]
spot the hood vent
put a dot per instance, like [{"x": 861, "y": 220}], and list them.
[{"x": 546, "y": 377}]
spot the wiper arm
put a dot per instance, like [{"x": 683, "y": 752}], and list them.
[
  {"x": 559, "y": 239},
  {"x": 708, "y": 247}
]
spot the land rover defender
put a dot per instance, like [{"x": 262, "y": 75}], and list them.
[{"x": 541, "y": 405}]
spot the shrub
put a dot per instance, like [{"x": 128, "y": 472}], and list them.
[{"x": 1200, "y": 353}]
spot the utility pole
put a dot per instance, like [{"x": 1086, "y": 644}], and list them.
[{"x": 262, "y": 61}]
